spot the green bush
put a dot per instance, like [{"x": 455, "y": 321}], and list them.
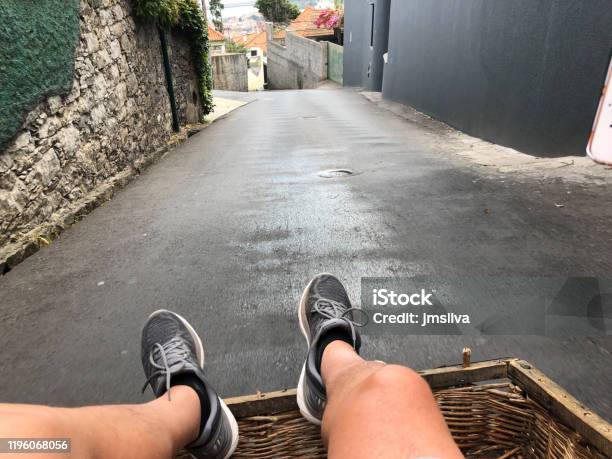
[
  {"x": 233, "y": 47},
  {"x": 186, "y": 16},
  {"x": 164, "y": 13}
]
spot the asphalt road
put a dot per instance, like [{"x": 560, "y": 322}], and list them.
[{"x": 229, "y": 227}]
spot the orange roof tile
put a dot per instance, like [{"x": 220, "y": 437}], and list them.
[
  {"x": 307, "y": 14},
  {"x": 257, "y": 40},
  {"x": 215, "y": 35},
  {"x": 304, "y": 24},
  {"x": 252, "y": 40}
]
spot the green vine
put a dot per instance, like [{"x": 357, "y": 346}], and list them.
[{"x": 186, "y": 16}]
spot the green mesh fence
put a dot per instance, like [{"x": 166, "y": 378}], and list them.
[{"x": 37, "y": 44}]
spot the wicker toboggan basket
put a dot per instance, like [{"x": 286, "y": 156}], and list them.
[{"x": 516, "y": 413}]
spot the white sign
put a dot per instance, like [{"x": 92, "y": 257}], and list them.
[{"x": 600, "y": 144}]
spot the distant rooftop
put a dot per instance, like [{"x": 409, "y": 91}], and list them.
[
  {"x": 253, "y": 40},
  {"x": 304, "y": 24},
  {"x": 215, "y": 35}
]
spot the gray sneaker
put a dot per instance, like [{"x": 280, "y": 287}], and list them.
[
  {"x": 324, "y": 307},
  {"x": 171, "y": 349}
]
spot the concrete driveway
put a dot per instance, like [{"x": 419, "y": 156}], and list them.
[{"x": 229, "y": 227}]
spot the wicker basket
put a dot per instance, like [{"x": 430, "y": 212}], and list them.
[
  {"x": 502, "y": 408},
  {"x": 491, "y": 420}
]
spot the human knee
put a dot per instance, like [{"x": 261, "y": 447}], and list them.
[{"x": 396, "y": 381}]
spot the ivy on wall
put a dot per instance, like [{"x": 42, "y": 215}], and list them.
[
  {"x": 38, "y": 39},
  {"x": 186, "y": 16}
]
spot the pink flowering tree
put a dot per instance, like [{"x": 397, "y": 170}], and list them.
[{"x": 329, "y": 19}]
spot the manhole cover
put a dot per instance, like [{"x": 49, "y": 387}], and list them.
[{"x": 333, "y": 173}]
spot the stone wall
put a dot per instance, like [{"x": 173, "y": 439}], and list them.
[
  {"x": 184, "y": 78},
  {"x": 230, "y": 72},
  {"x": 300, "y": 64},
  {"x": 115, "y": 117}
]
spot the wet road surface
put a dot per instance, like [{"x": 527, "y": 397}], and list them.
[{"x": 227, "y": 230}]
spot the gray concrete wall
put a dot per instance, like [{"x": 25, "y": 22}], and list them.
[
  {"x": 365, "y": 42},
  {"x": 230, "y": 72},
  {"x": 355, "y": 37},
  {"x": 522, "y": 73},
  {"x": 300, "y": 64}
]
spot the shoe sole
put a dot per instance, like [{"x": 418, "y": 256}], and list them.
[
  {"x": 200, "y": 356},
  {"x": 233, "y": 427},
  {"x": 306, "y": 332}
]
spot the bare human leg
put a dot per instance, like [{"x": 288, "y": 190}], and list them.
[
  {"x": 187, "y": 412},
  {"x": 375, "y": 410},
  {"x": 157, "y": 429}
]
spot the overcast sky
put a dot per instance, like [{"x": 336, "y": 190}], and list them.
[{"x": 231, "y": 10}]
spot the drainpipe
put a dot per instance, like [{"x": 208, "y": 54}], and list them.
[{"x": 170, "y": 86}]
